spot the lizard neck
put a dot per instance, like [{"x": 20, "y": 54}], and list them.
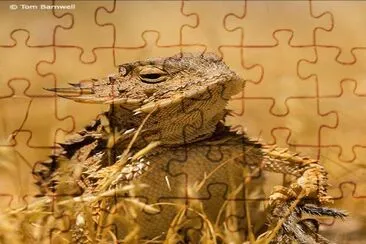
[{"x": 190, "y": 120}]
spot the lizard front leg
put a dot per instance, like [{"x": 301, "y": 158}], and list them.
[
  {"x": 307, "y": 195},
  {"x": 311, "y": 176}
]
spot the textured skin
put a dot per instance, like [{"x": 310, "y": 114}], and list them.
[{"x": 181, "y": 102}]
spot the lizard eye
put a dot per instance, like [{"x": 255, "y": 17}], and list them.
[{"x": 151, "y": 74}]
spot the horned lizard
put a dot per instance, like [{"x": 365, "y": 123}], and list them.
[{"x": 166, "y": 116}]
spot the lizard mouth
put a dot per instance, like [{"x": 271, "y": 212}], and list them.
[
  {"x": 87, "y": 95},
  {"x": 81, "y": 94}
]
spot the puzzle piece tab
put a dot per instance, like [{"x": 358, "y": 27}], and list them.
[
  {"x": 146, "y": 17},
  {"x": 234, "y": 57},
  {"x": 85, "y": 20},
  {"x": 328, "y": 81},
  {"x": 23, "y": 67},
  {"x": 16, "y": 101},
  {"x": 66, "y": 67},
  {"x": 279, "y": 84},
  {"x": 210, "y": 30},
  {"x": 152, "y": 47},
  {"x": 40, "y": 24},
  {"x": 263, "y": 18},
  {"x": 304, "y": 131},
  {"x": 346, "y": 32}
]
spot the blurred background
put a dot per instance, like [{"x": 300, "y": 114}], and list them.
[{"x": 304, "y": 63}]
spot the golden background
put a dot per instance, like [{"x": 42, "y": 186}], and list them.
[{"x": 304, "y": 62}]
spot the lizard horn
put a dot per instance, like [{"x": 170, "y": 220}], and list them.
[
  {"x": 74, "y": 84},
  {"x": 70, "y": 90},
  {"x": 86, "y": 95},
  {"x": 84, "y": 98},
  {"x": 75, "y": 93}
]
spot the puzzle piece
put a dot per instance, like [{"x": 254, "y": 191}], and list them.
[
  {"x": 152, "y": 47},
  {"x": 214, "y": 161},
  {"x": 210, "y": 30},
  {"x": 19, "y": 128},
  {"x": 40, "y": 28},
  {"x": 66, "y": 67},
  {"x": 6, "y": 199},
  {"x": 23, "y": 67},
  {"x": 85, "y": 17},
  {"x": 18, "y": 101},
  {"x": 346, "y": 32},
  {"x": 340, "y": 171},
  {"x": 233, "y": 213},
  {"x": 351, "y": 230},
  {"x": 348, "y": 139},
  {"x": 17, "y": 178},
  {"x": 262, "y": 19},
  {"x": 328, "y": 82},
  {"x": 146, "y": 17},
  {"x": 251, "y": 73},
  {"x": 58, "y": 228},
  {"x": 305, "y": 134},
  {"x": 274, "y": 79},
  {"x": 10, "y": 201},
  {"x": 38, "y": 130},
  {"x": 349, "y": 189},
  {"x": 234, "y": 57}
]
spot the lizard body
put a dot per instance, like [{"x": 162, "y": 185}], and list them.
[{"x": 165, "y": 128}]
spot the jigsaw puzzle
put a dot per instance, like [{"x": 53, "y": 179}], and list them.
[{"x": 148, "y": 152}]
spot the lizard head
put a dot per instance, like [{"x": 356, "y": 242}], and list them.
[
  {"x": 143, "y": 85},
  {"x": 186, "y": 94}
]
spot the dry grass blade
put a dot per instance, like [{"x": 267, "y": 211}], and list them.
[
  {"x": 124, "y": 157},
  {"x": 180, "y": 220}
]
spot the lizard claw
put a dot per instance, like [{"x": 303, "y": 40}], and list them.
[
  {"x": 311, "y": 185},
  {"x": 281, "y": 193},
  {"x": 286, "y": 207}
]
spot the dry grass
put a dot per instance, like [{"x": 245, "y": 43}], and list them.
[
  {"x": 82, "y": 219},
  {"x": 90, "y": 218}
]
